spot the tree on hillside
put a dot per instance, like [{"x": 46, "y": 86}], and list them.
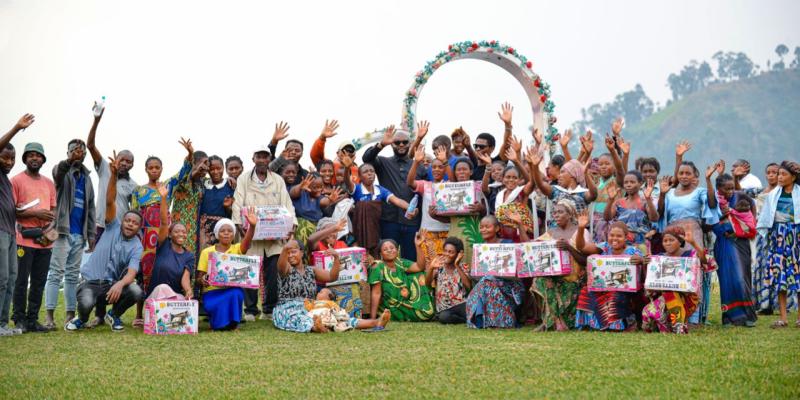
[
  {"x": 781, "y": 51},
  {"x": 634, "y": 105},
  {"x": 796, "y": 62},
  {"x": 692, "y": 78},
  {"x": 732, "y": 65}
]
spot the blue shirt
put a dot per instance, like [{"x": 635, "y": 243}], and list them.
[
  {"x": 213, "y": 198},
  {"x": 361, "y": 194},
  {"x": 76, "y": 216},
  {"x": 169, "y": 266},
  {"x": 113, "y": 255},
  {"x": 307, "y": 208}
]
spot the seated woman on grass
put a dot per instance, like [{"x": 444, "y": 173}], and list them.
[
  {"x": 174, "y": 265},
  {"x": 670, "y": 311},
  {"x": 494, "y": 302},
  {"x": 558, "y": 295},
  {"x": 608, "y": 310},
  {"x": 450, "y": 279},
  {"x": 224, "y": 305},
  {"x": 398, "y": 285},
  {"x": 326, "y": 237},
  {"x": 296, "y": 284}
]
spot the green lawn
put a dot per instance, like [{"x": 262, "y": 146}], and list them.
[{"x": 424, "y": 360}]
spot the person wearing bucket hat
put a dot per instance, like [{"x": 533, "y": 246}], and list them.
[
  {"x": 8, "y": 219},
  {"x": 35, "y": 202},
  {"x": 345, "y": 150}
]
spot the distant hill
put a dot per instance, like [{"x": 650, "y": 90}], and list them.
[{"x": 757, "y": 119}]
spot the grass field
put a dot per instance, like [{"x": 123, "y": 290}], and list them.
[{"x": 424, "y": 360}]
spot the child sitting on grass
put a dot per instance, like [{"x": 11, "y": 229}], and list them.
[{"x": 327, "y": 315}]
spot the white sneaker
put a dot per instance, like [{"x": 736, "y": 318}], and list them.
[
  {"x": 249, "y": 317},
  {"x": 5, "y": 332},
  {"x": 265, "y": 317},
  {"x": 14, "y": 331}
]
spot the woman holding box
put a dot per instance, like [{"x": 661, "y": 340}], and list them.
[
  {"x": 296, "y": 284},
  {"x": 559, "y": 294},
  {"x": 670, "y": 311},
  {"x": 224, "y": 305},
  {"x": 174, "y": 265},
  {"x": 465, "y": 227},
  {"x": 494, "y": 302},
  {"x": 607, "y": 310}
]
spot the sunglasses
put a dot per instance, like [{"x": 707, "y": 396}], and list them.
[
  {"x": 401, "y": 142},
  {"x": 480, "y": 146}
]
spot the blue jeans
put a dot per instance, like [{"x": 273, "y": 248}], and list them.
[
  {"x": 8, "y": 273},
  {"x": 403, "y": 235},
  {"x": 65, "y": 263}
]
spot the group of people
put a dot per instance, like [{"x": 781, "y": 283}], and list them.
[{"x": 154, "y": 240}]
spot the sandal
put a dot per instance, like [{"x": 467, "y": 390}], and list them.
[
  {"x": 137, "y": 323},
  {"x": 778, "y": 324},
  {"x": 797, "y": 324}
]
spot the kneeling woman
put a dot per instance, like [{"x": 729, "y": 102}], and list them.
[
  {"x": 173, "y": 266},
  {"x": 224, "y": 305},
  {"x": 494, "y": 302},
  {"x": 296, "y": 284},
  {"x": 670, "y": 311},
  {"x": 607, "y": 310},
  {"x": 398, "y": 285},
  {"x": 559, "y": 294}
]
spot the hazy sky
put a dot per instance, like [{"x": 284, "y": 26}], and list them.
[{"x": 223, "y": 73}]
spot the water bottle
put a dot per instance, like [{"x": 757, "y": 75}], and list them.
[
  {"x": 99, "y": 106},
  {"x": 412, "y": 205}
]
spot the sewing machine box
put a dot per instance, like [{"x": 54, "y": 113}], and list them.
[
  {"x": 677, "y": 274},
  {"x": 495, "y": 259},
  {"x": 352, "y": 262},
  {"x": 454, "y": 198},
  {"x": 612, "y": 274},
  {"x": 274, "y": 222},
  {"x": 170, "y": 317},
  {"x": 233, "y": 270},
  {"x": 543, "y": 259}
]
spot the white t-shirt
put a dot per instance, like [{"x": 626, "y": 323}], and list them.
[
  {"x": 425, "y": 188},
  {"x": 750, "y": 181}
]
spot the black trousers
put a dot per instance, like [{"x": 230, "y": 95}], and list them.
[
  {"x": 92, "y": 294},
  {"x": 33, "y": 266},
  {"x": 453, "y": 315},
  {"x": 269, "y": 269}
]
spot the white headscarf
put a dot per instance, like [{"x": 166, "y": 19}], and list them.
[{"x": 221, "y": 223}]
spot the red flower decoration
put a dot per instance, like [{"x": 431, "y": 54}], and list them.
[
  {"x": 537, "y": 83},
  {"x": 528, "y": 64},
  {"x": 510, "y": 50},
  {"x": 449, "y": 47},
  {"x": 492, "y": 42},
  {"x": 543, "y": 98},
  {"x": 474, "y": 46}
]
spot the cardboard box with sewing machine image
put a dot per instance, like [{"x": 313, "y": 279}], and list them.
[
  {"x": 234, "y": 270},
  {"x": 676, "y": 274},
  {"x": 543, "y": 259},
  {"x": 352, "y": 264},
  {"x": 495, "y": 259},
  {"x": 170, "y": 317},
  {"x": 274, "y": 222},
  {"x": 455, "y": 198},
  {"x": 612, "y": 274}
]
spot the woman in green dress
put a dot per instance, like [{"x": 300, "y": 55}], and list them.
[{"x": 398, "y": 285}]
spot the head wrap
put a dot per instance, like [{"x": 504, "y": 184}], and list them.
[
  {"x": 569, "y": 205},
  {"x": 575, "y": 169},
  {"x": 220, "y": 224}
]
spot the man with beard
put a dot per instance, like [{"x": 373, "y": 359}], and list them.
[
  {"x": 8, "y": 219},
  {"x": 125, "y": 185},
  {"x": 75, "y": 223},
  {"x": 109, "y": 277},
  {"x": 392, "y": 173},
  {"x": 262, "y": 187},
  {"x": 35, "y": 198}
]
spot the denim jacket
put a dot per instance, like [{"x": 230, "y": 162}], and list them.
[{"x": 64, "y": 179}]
